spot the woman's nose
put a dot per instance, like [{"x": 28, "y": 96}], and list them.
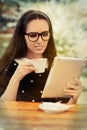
[{"x": 40, "y": 39}]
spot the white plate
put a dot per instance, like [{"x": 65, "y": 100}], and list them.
[{"x": 50, "y": 107}]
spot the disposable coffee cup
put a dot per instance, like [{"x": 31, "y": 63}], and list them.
[{"x": 40, "y": 64}]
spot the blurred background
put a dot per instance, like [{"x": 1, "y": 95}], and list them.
[{"x": 69, "y": 20}]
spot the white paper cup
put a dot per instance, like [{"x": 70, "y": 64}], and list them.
[{"x": 40, "y": 64}]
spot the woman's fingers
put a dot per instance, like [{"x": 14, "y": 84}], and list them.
[
  {"x": 73, "y": 90},
  {"x": 78, "y": 82},
  {"x": 23, "y": 69}
]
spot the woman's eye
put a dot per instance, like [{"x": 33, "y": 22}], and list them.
[
  {"x": 45, "y": 33},
  {"x": 33, "y": 35}
]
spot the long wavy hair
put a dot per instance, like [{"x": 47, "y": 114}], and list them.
[{"x": 17, "y": 47}]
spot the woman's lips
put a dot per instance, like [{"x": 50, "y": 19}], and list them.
[{"x": 39, "y": 47}]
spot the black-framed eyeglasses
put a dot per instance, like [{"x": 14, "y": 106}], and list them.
[{"x": 34, "y": 36}]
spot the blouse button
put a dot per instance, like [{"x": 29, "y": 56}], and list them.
[
  {"x": 15, "y": 64},
  {"x": 31, "y": 81},
  {"x": 40, "y": 75},
  {"x": 41, "y": 91},
  {"x": 33, "y": 100},
  {"x": 6, "y": 70},
  {"x": 22, "y": 91}
]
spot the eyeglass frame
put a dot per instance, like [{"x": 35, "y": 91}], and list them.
[{"x": 39, "y": 34}]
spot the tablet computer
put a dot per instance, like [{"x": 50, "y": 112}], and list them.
[{"x": 63, "y": 71}]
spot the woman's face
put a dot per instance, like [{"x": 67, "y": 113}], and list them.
[{"x": 37, "y": 38}]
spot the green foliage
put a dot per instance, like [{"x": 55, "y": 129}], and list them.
[
  {"x": 84, "y": 74},
  {"x": 63, "y": 46}
]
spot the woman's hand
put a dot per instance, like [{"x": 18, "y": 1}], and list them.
[
  {"x": 24, "y": 68},
  {"x": 74, "y": 91}
]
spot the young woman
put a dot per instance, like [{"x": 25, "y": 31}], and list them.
[{"x": 32, "y": 38}]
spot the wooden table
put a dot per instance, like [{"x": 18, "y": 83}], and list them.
[{"x": 27, "y": 116}]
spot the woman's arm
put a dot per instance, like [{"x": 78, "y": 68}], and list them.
[{"x": 12, "y": 88}]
